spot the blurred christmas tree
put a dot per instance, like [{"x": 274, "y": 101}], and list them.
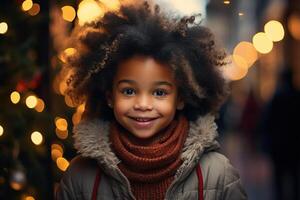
[{"x": 34, "y": 139}]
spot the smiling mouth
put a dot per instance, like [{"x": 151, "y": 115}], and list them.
[{"x": 143, "y": 119}]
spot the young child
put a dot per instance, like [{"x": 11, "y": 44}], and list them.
[{"x": 152, "y": 86}]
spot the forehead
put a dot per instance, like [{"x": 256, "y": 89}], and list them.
[{"x": 144, "y": 69}]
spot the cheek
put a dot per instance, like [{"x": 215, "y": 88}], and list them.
[
  {"x": 166, "y": 107},
  {"x": 121, "y": 106}
]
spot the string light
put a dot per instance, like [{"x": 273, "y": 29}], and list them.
[
  {"x": 61, "y": 134},
  {"x": 226, "y": 2},
  {"x": 274, "y": 30},
  {"x": 35, "y": 9},
  {"x": 68, "y": 13},
  {"x": 15, "y": 97},
  {"x": 3, "y": 27},
  {"x": 262, "y": 43},
  {"x": 27, "y": 5},
  {"x": 241, "y": 14},
  {"x": 1, "y": 130},
  {"x": 31, "y": 101},
  {"x": 36, "y": 138},
  {"x": 56, "y": 151},
  {"x": 88, "y": 11},
  {"x": 61, "y": 124},
  {"x": 62, "y": 163}
]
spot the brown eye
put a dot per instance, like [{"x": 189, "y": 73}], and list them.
[
  {"x": 160, "y": 93},
  {"x": 128, "y": 91}
]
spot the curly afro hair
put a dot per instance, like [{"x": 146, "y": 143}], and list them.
[{"x": 181, "y": 43}]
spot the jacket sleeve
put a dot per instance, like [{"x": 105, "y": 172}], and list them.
[
  {"x": 232, "y": 189},
  {"x": 77, "y": 181},
  {"x": 65, "y": 190}
]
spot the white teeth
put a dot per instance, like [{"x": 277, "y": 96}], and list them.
[{"x": 142, "y": 119}]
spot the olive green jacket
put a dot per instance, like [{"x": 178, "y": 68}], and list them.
[{"x": 220, "y": 179}]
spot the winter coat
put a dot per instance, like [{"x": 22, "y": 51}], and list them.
[{"x": 220, "y": 179}]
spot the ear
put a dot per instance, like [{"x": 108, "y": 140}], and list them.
[{"x": 109, "y": 99}]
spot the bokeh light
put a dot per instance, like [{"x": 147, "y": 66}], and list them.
[
  {"x": 68, "y": 13},
  {"x": 61, "y": 134},
  {"x": 31, "y": 101},
  {"x": 294, "y": 25},
  {"x": 88, "y": 11},
  {"x": 262, "y": 43},
  {"x": 56, "y": 151},
  {"x": 62, "y": 163},
  {"x": 1, "y": 130},
  {"x": 34, "y": 10},
  {"x": 27, "y": 5},
  {"x": 3, "y": 27},
  {"x": 247, "y": 51},
  {"x": 237, "y": 69},
  {"x": 274, "y": 30},
  {"x": 226, "y": 2},
  {"x": 40, "y": 106},
  {"x": 15, "y": 97},
  {"x": 36, "y": 138},
  {"x": 29, "y": 198},
  {"x": 111, "y": 4},
  {"x": 61, "y": 124}
]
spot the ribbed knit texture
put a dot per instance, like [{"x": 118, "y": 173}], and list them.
[{"x": 150, "y": 165}]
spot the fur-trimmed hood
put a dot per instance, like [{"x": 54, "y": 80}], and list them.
[{"x": 92, "y": 140}]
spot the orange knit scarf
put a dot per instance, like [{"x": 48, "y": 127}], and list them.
[{"x": 150, "y": 165}]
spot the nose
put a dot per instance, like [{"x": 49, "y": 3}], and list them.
[{"x": 143, "y": 103}]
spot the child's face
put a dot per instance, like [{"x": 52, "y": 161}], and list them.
[{"x": 144, "y": 98}]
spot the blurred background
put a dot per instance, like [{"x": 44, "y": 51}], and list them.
[{"x": 259, "y": 125}]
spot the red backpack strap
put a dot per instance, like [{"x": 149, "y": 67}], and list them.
[
  {"x": 96, "y": 184},
  {"x": 200, "y": 182}
]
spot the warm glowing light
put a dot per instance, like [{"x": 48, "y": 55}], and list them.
[
  {"x": 31, "y": 101},
  {"x": 1, "y": 130},
  {"x": 294, "y": 26},
  {"x": 274, "y": 30},
  {"x": 262, "y": 43},
  {"x": 3, "y": 27},
  {"x": 61, "y": 134},
  {"x": 34, "y": 10},
  {"x": 68, "y": 13},
  {"x": 29, "y": 198},
  {"x": 226, "y": 2},
  {"x": 88, "y": 11},
  {"x": 67, "y": 53},
  {"x": 76, "y": 118},
  {"x": 27, "y": 5},
  {"x": 69, "y": 102},
  {"x": 40, "y": 106},
  {"x": 55, "y": 153},
  {"x": 36, "y": 138},
  {"x": 237, "y": 69},
  {"x": 111, "y": 4},
  {"x": 62, "y": 163},
  {"x": 81, "y": 108},
  {"x": 57, "y": 146},
  {"x": 15, "y": 97},
  {"x": 241, "y": 14},
  {"x": 16, "y": 186},
  {"x": 61, "y": 124},
  {"x": 247, "y": 51}
]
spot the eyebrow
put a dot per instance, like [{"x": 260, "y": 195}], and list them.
[{"x": 155, "y": 83}]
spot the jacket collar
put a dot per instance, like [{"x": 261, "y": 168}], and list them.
[{"x": 92, "y": 140}]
